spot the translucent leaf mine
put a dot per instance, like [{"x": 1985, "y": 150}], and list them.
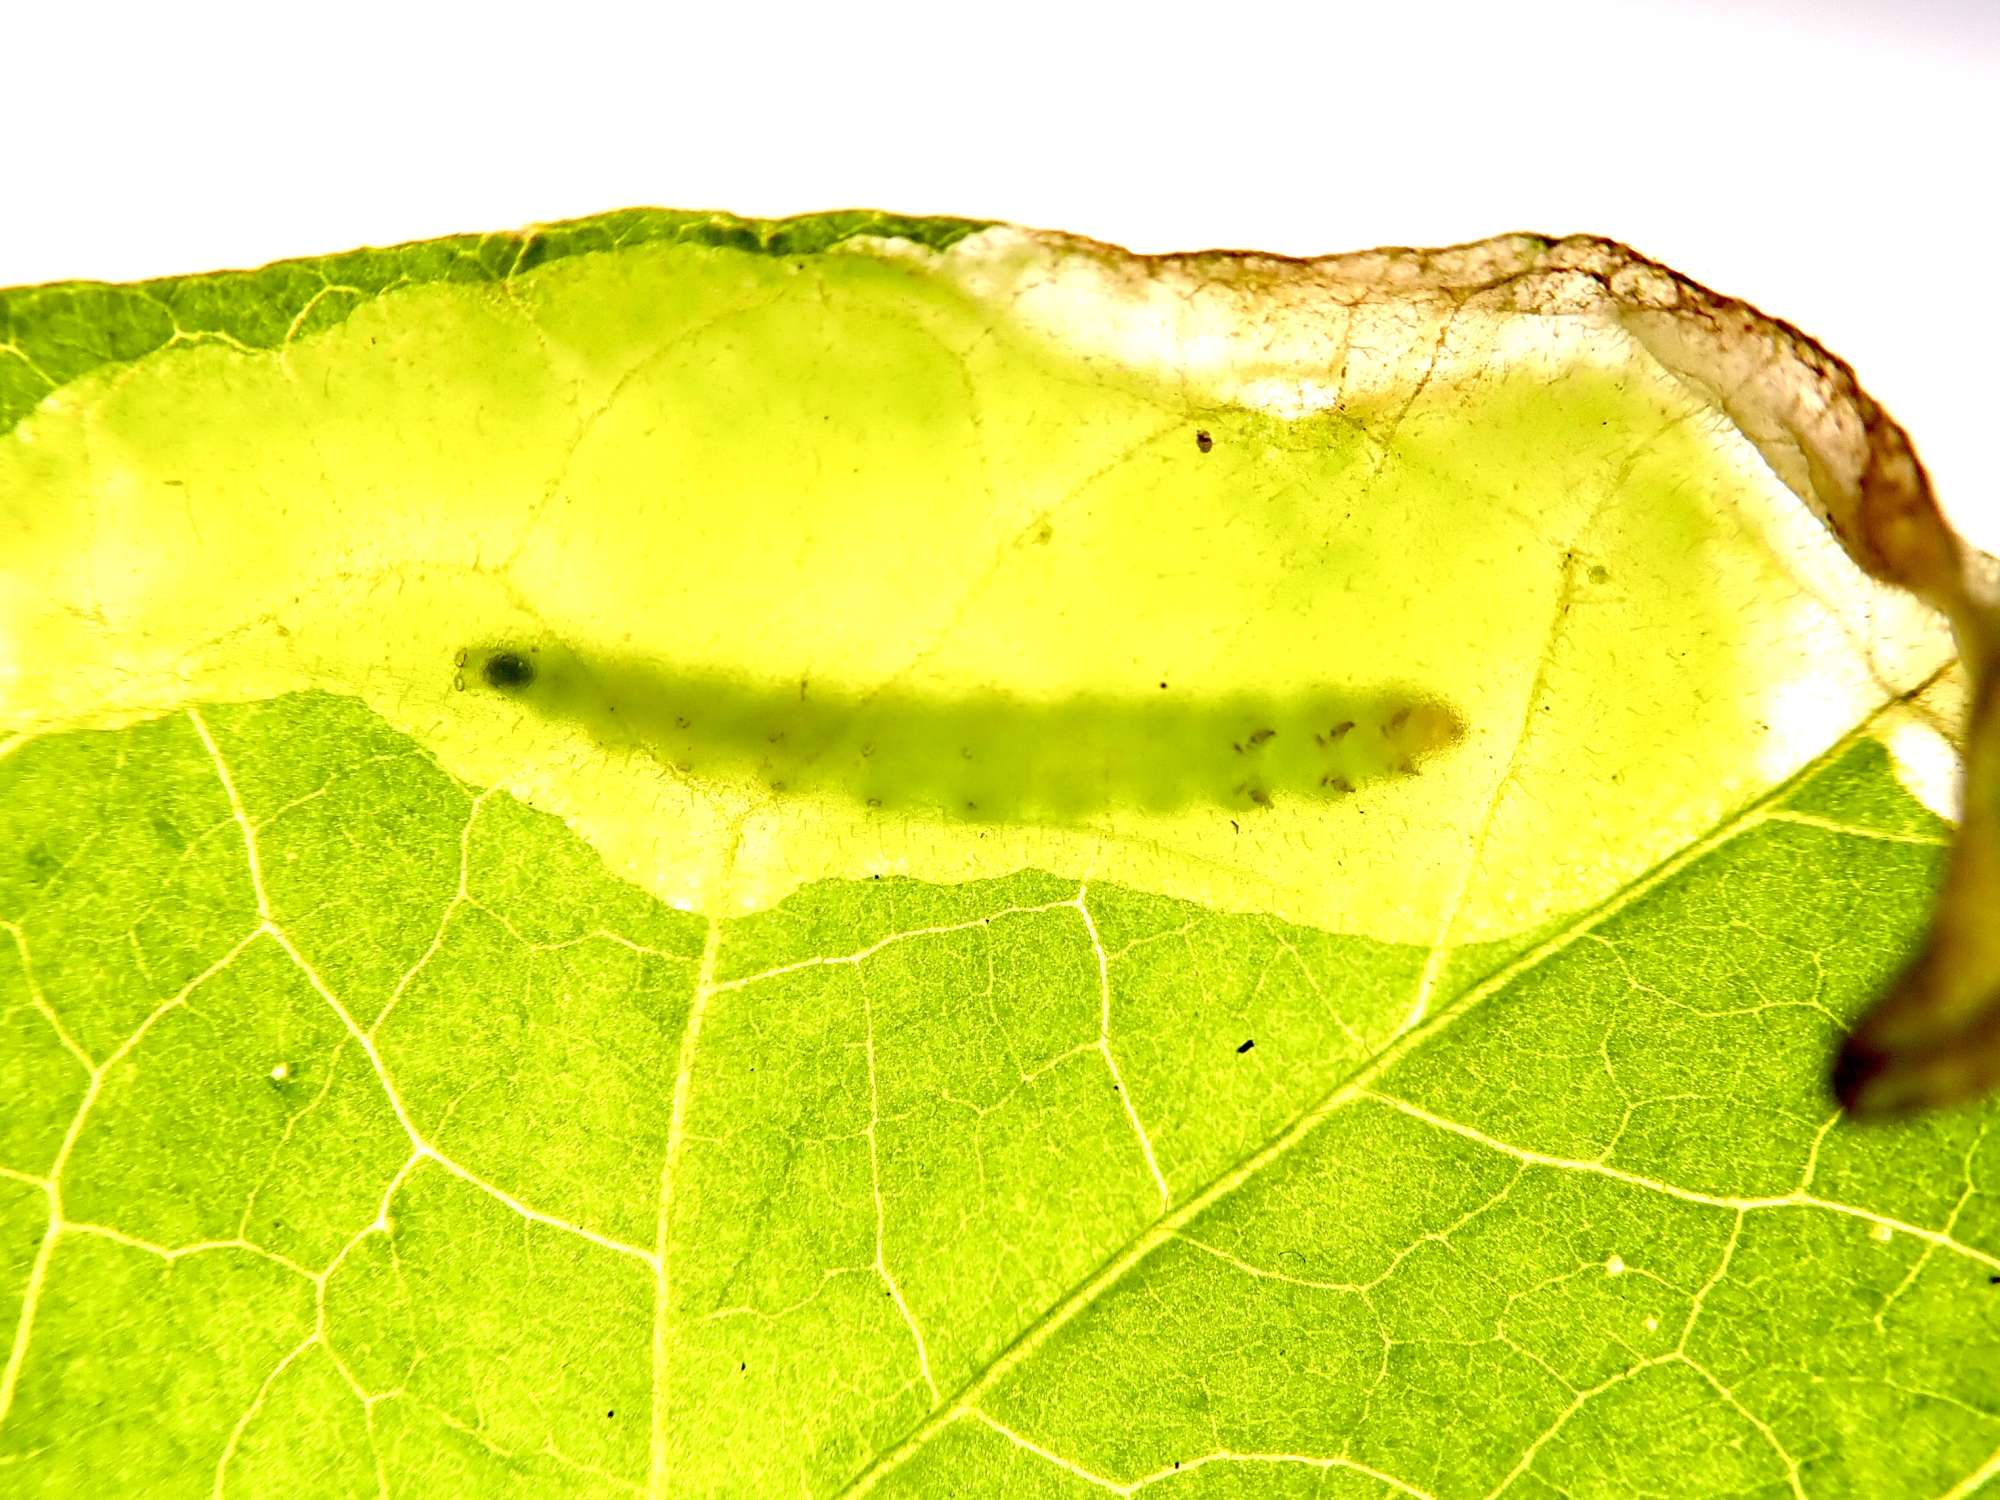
[{"x": 674, "y": 855}]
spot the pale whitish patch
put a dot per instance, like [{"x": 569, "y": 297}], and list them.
[
  {"x": 1859, "y": 641},
  {"x": 1289, "y": 398},
  {"x": 1805, "y": 714},
  {"x": 1927, "y": 767},
  {"x": 281, "y": 1072},
  {"x": 1211, "y": 324},
  {"x": 1615, "y": 1265},
  {"x": 1881, "y": 1234},
  {"x": 1652, "y": 1325}
]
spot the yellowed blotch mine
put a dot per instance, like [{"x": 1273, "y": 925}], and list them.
[{"x": 956, "y": 502}]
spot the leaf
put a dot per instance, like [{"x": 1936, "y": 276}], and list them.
[{"x": 688, "y": 856}]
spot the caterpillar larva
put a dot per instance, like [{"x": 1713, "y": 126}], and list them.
[{"x": 982, "y": 756}]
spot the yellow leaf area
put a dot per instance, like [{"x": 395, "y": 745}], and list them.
[{"x": 1328, "y": 590}]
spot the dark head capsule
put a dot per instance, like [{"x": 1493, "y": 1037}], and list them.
[{"x": 508, "y": 669}]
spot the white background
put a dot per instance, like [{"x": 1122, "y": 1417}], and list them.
[{"x": 1832, "y": 162}]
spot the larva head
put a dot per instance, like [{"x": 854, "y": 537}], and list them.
[{"x": 507, "y": 670}]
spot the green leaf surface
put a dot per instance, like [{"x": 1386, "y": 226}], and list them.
[{"x": 674, "y": 856}]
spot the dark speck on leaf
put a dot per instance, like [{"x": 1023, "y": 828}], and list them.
[
  {"x": 508, "y": 669},
  {"x": 1202, "y": 440},
  {"x": 1248, "y": 1043}
]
